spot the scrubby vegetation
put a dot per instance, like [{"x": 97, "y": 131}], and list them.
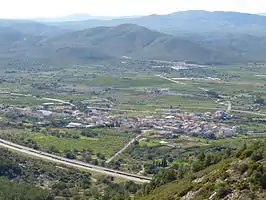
[
  {"x": 239, "y": 175},
  {"x": 15, "y": 190},
  {"x": 188, "y": 111},
  {"x": 29, "y": 179}
]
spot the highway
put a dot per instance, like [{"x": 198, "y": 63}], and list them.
[{"x": 73, "y": 163}]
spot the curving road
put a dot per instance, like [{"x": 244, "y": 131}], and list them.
[
  {"x": 229, "y": 105},
  {"x": 73, "y": 163},
  {"x": 229, "y": 109},
  {"x": 58, "y": 100}
]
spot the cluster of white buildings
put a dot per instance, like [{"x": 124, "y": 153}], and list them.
[{"x": 187, "y": 123}]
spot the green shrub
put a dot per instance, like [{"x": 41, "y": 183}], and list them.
[
  {"x": 223, "y": 190},
  {"x": 256, "y": 156},
  {"x": 243, "y": 186},
  {"x": 263, "y": 181},
  {"x": 185, "y": 191},
  {"x": 254, "y": 187},
  {"x": 242, "y": 168},
  {"x": 246, "y": 153}
]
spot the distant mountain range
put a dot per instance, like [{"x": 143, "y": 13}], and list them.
[
  {"x": 30, "y": 27},
  {"x": 185, "y": 22},
  {"x": 102, "y": 43},
  {"x": 79, "y": 17},
  {"x": 195, "y": 36},
  {"x": 134, "y": 41},
  {"x": 241, "y": 35}
]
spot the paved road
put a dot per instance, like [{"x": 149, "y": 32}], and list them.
[
  {"x": 122, "y": 110},
  {"x": 249, "y": 112},
  {"x": 58, "y": 100},
  {"x": 122, "y": 150},
  {"x": 178, "y": 82},
  {"x": 30, "y": 95},
  {"x": 169, "y": 79},
  {"x": 229, "y": 107},
  {"x": 73, "y": 163}
]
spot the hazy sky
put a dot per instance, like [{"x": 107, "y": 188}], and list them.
[{"x": 52, "y": 8}]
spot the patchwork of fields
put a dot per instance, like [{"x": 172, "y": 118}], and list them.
[{"x": 121, "y": 103}]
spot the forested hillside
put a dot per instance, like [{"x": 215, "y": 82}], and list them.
[
  {"x": 238, "y": 175},
  {"x": 135, "y": 41},
  {"x": 194, "y": 36},
  {"x": 100, "y": 44},
  {"x": 14, "y": 190},
  {"x": 237, "y": 36},
  {"x": 25, "y": 178}
]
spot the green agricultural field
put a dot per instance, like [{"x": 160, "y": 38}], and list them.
[
  {"x": 20, "y": 100},
  {"x": 151, "y": 143},
  {"x": 106, "y": 144},
  {"x": 183, "y": 101},
  {"x": 236, "y": 142},
  {"x": 118, "y": 82},
  {"x": 256, "y": 127}
]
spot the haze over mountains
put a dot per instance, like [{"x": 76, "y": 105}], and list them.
[
  {"x": 196, "y": 21},
  {"x": 195, "y": 36},
  {"x": 77, "y": 17}
]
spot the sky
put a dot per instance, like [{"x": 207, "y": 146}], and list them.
[{"x": 56, "y": 8}]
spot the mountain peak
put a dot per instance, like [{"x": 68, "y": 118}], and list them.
[{"x": 130, "y": 26}]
